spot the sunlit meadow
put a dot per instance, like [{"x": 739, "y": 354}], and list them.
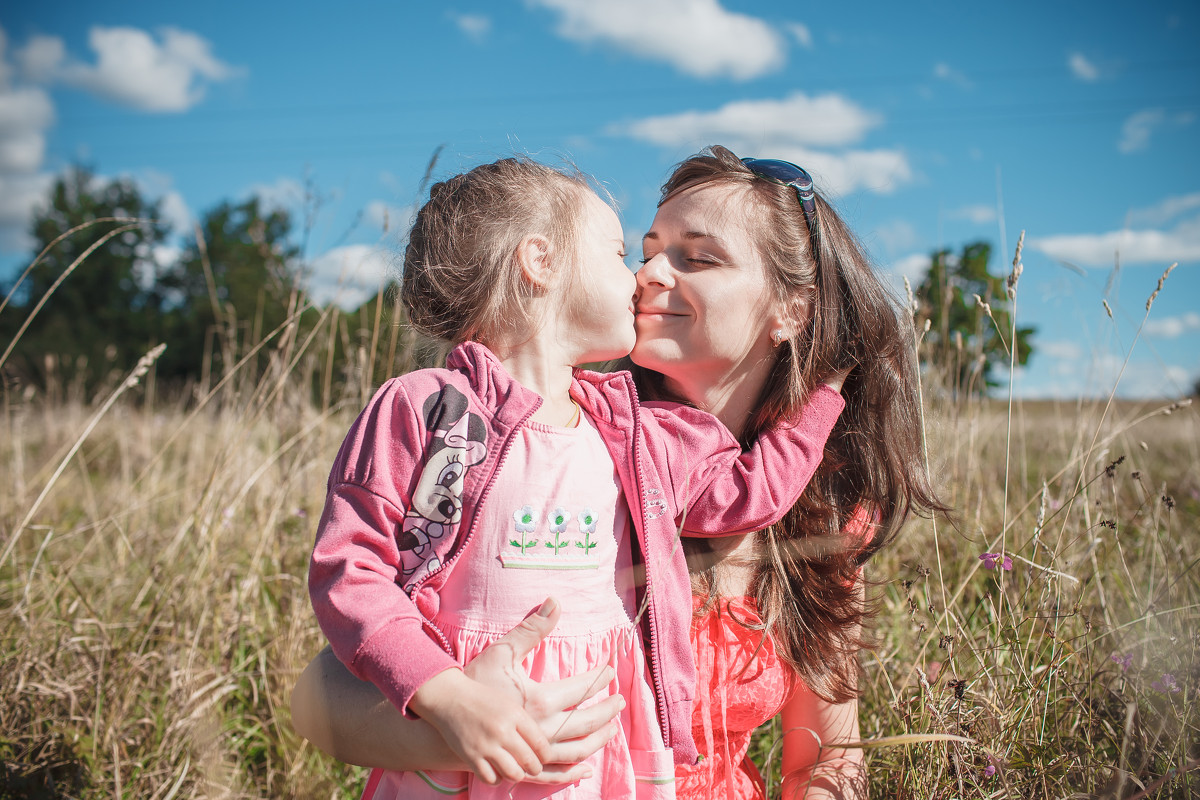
[{"x": 1044, "y": 642}]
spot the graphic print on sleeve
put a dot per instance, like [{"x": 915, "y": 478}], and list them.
[{"x": 459, "y": 443}]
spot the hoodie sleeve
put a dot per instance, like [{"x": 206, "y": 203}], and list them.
[
  {"x": 720, "y": 490},
  {"x": 372, "y": 625}
]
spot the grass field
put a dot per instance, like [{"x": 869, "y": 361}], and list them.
[{"x": 153, "y": 612}]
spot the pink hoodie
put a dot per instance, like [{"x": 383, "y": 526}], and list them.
[{"x": 421, "y": 458}]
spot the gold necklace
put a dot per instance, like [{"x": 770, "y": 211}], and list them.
[{"x": 574, "y": 421}]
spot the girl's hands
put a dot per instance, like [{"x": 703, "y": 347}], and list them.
[
  {"x": 573, "y": 734},
  {"x": 490, "y": 731},
  {"x": 352, "y": 721},
  {"x": 506, "y": 726}
]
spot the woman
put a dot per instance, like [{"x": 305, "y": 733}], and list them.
[{"x": 779, "y": 611}]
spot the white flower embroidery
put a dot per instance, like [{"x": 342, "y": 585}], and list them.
[
  {"x": 587, "y": 521},
  {"x": 559, "y": 519},
  {"x": 525, "y": 519}
]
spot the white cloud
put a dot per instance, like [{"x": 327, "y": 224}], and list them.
[
  {"x": 285, "y": 194},
  {"x": 175, "y": 212},
  {"x": 40, "y": 58},
  {"x": 475, "y": 26},
  {"x": 1173, "y": 327},
  {"x": 801, "y": 34},
  {"x": 135, "y": 70},
  {"x": 1062, "y": 349},
  {"x": 949, "y": 74},
  {"x": 894, "y": 272},
  {"x": 1138, "y": 128},
  {"x": 1073, "y": 377},
  {"x": 790, "y": 129},
  {"x": 1134, "y": 246},
  {"x": 5, "y": 69},
  {"x": 978, "y": 214},
  {"x": 1165, "y": 211},
  {"x": 388, "y": 218},
  {"x": 25, "y": 114},
  {"x": 1135, "y": 133},
  {"x": 879, "y": 171},
  {"x": 912, "y": 267},
  {"x": 897, "y": 236},
  {"x": 173, "y": 209},
  {"x": 349, "y": 275},
  {"x": 828, "y": 120},
  {"x": 19, "y": 195},
  {"x": 1082, "y": 68},
  {"x": 698, "y": 37}
]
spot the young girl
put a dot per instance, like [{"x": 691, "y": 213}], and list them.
[{"x": 463, "y": 496}]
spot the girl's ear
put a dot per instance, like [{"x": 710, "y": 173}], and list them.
[{"x": 534, "y": 255}]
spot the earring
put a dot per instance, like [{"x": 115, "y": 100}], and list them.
[{"x": 777, "y": 337}]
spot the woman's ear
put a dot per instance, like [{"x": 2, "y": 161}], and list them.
[
  {"x": 791, "y": 316},
  {"x": 534, "y": 255}
]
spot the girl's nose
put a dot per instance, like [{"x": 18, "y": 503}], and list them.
[{"x": 656, "y": 272}]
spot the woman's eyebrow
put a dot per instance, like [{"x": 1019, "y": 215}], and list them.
[{"x": 690, "y": 235}]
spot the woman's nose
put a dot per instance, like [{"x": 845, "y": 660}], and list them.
[{"x": 656, "y": 272}]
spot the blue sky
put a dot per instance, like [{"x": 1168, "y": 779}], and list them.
[{"x": 929, "y": 125}]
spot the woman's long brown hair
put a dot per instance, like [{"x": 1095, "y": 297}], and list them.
[{"x": 807, "y": 568}]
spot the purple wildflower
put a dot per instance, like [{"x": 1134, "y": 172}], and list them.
[
  {"x": 993, "y": 560},
  {"x": 989, "y": 770},
  {"x": 1123, "y": 660},
  {"x": 1167, "y": 685}
]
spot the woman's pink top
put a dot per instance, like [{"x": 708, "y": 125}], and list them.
[{"x": 742, "y": 684}]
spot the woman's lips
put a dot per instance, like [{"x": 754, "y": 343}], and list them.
[{"x": 656, "y": 314}]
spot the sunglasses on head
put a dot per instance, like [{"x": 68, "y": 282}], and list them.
[{"x": 786, "y": 173}]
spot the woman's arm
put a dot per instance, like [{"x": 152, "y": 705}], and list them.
[
  {"x": 352, "y": 721},
  {"x": 812, "y": 769}
]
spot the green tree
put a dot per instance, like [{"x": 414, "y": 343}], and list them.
[
  {"x": 231, "y": 289},
  {"x": 965, "y": 344},
  {"x": 109, "y": 311}
]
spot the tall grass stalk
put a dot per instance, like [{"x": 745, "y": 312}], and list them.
[{"x": 156, "y": 615}]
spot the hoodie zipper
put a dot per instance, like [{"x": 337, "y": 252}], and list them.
[
  {"x": 655, "y": 666},
  {"x": 487, "y": 488}
]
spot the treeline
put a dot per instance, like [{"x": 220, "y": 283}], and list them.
[{"x": 109, "y": 281}]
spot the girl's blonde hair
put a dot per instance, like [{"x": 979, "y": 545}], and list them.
[{"x": 461, "y": 277}]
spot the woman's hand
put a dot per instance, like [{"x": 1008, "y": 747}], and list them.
[{"x": 572, "y": 734}]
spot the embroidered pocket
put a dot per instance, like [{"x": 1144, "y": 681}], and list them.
[
  {"x": 559, "y": 552},
  {"x": 533, "y": 560}
]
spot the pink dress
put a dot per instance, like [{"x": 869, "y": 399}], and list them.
[
  {"x": 555, "y": 524},
  {"x": 741, "y": 685}
]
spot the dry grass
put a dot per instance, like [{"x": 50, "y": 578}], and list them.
[{"x": 155, "y": 614}]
